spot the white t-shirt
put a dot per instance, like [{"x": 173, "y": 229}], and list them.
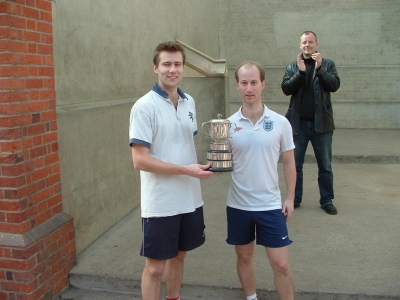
[
  {"x": 168, "y": 133},
  {"x": 255, "y": 150}
]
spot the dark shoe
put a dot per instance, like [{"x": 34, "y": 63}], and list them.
[
  {"x": 296, "y": 205},
  {"x": 330, "y": 209}
]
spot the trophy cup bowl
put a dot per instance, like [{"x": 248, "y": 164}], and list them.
[{"x": 219, "y": 155}]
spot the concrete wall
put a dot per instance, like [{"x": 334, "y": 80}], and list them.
[
  {"x": 103, "y": 55},
  {"x": 361, "y": 36}
]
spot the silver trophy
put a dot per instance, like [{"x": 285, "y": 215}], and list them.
[{"x": 219, "y": 154}]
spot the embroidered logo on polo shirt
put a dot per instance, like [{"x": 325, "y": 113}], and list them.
[
  {"x": 268, "y": 125},
  {"x": 191, "y": 116}
]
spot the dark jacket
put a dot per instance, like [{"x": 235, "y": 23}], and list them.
[{"x": 326, "y": 80}]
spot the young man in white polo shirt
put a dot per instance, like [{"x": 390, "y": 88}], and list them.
[
  {"x": 254, "y": 206},
  {"x": 162, "y": 126}
]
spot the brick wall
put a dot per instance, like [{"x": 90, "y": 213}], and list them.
[{"x": 37, "y": 239}]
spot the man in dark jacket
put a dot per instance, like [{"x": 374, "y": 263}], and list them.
[{"x": 310, "y": 80}]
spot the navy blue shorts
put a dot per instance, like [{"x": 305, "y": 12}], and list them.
[
  {"x": 163, "y": 237},
  {"x": 267, "y": 227}
]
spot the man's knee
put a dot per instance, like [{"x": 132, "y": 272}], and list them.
[{"x": 155, "y": 268}]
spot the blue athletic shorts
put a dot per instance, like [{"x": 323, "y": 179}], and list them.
[
  {"x": 267, "y": 227},
  {"x": 163, "y": 237}
]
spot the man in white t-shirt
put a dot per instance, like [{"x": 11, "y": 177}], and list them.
[
  {"x": 162, "y": 126},
  {"x": 254, "y": 206}
]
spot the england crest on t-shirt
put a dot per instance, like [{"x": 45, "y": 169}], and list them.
[{"x": 268, "y": 125}]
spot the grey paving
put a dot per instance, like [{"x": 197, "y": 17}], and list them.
[{"x": 353, "y": 255}]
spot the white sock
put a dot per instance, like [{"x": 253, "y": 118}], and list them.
[{"x": 252, "y": 297}]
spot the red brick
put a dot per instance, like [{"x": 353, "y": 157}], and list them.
[
  {"x": 42, "y": 206},
  {"x": 36, "y": 152},
  {"x": 44, "y": 27},
  {"x": 23, "y": 276},
  {"x": 12, "y": 205},
  {"x": 44, "y": 4},
  {"x": 10, "y": 109},
  {"x": 11, "y": 84},
  {"x": 39, "y": 163},
  {"x": 47, "y": 39},
  {"x": 7, "y": 253},
  {"x": 7, "y": 33},
  {"x": 4, "y": 32},
  {"x": 30, "y": 36},
  {"x": 13, "y": 21},
  {"x": 49, "y": 116},
  {"x": 31, "y": 25},
  {"x": 15, "y": 145},
  {"x": 40, "y": 184},
  {"x": 40, "y": 174},
  {"x": 13, "y": 96},
  {"x": 48, "y": 94},
  {"x": 37, "y": 141},
  {"x": 41, "y": 195},
  {"x": 55, "y": 210},
  {"x": 50, "y": 83},
  {"x": 52, "y": 105},
  {"x": 36, "y": 129},
  {"x": 10, "y": 134},
  {"x": 12, "y": 121},
  {"x": 45, "y": 49},
  {"x": 11, "y": 158},
  {"x": 50, "y": 137},
  {"x": 7, "y": 7},
  {"x": 9, "y": 58},
  {"x": 20, "y": 286},
  {"x": 46, "y": 16},
  {"x": 29, "y": 252},
  {"x": 50, "y": 60},
  {"x": 20, "y": 192},
  {"x": 4, "y": 45},
  {"x": 30, "y": 3},
  {"x": 34, "y": 83},
  {"x": 43, "y": 217},
  {"x": 14, "y": 71},
  {"x": 19, "y": 217},
  {"x": 34, "y": 71},
  {"x": 16, "y": 46},
  {"x": 46, "y": 71},
  {"x": 17, "y": 169},
  {"x": 17, "y": 264},
  {"x": 53, "y": 201},
  {"x": 27, "y": 143},
  {"x": 12, "y": 182},
  {"x": 36, "y": 118},
  {"x": 38, "y": 106},
  {"x": 32, "y": 59},
  {"x": 20, "y": 2},
  {"x": 32, "y": 47},
  {"x": 51, "y": 159},
  {"x": 30, "y": 12},
  {"x": 34, "y": 95}
]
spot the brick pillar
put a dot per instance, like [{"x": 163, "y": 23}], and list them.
[{"x": 37, "y": 239}]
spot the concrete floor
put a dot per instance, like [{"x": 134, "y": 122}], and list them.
[{"x": 352, "y": 255}]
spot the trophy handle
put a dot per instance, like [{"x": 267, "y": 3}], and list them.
[{"x": 208, "y": 125}]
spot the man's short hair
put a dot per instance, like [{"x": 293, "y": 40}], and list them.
[
  {"x": 170, "y": 46},
  {"x": 309, "y": 32},
  {"x": 250, "y": 63}
]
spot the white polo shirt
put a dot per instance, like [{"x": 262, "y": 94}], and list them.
[
  {"x": 255, "y": 150},
  {"x": 168, "y": 133}
]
